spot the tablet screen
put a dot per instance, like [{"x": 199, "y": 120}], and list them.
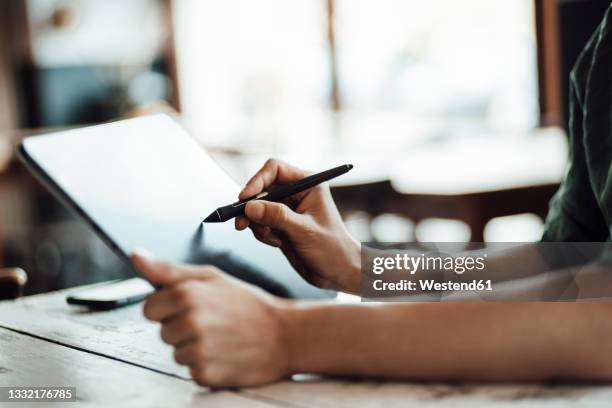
[{"x": 146, "y": 183}]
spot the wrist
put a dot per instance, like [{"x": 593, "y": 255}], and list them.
[
  {"x": 300, "y": 323},
  {"x": 325, "y": 338},
  {"x": 351, "y": 277},
  {"x": 289, "y": 318}
]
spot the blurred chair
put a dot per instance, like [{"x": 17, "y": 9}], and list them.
[
  {"x": 472, "y": 180},
  {"x": 12, "y": 282},
  {"x": 6, "y": 152}
]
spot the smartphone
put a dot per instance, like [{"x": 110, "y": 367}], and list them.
[{"x": 111, "y": 295}]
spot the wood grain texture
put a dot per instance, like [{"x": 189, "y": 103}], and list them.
[
  {"x": 99, "y": 381},
  {"x": 312, "y": 392},
  {"x": 121, "y": 333}
]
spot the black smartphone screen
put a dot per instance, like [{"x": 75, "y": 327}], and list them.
[{"x": 112, "y": 294}]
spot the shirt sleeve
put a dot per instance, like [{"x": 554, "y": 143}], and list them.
[{"x": 574, "y": 214}]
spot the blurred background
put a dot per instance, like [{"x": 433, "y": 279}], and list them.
[{"x": 453, "y": 112}]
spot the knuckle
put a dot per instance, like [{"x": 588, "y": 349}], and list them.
[
  {"x": 191, "y": 322},
  {"x": 193, "y": 355},
  {"x": 271, "y": 162},
  {"x": 212, "y": 270},
  {"x": 166, "y": 335},
  {"x": 200, "y": 353},
  {"x": 179, "y": 356},
  {"x": 175, "y": 272},
  {"x": 183, "y": 294},
  {"x": 198, "y": 350},
  {"x": 278, "y": 214},
  {"x": 212, "y": 375},
  {"x": 149, "y": 309},
  {"x": 166, "y": 268},
  {"x": 197, "y": 373}
]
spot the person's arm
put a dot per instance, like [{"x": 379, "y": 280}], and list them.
[
  {"x": 485, "y": 341},
  {"x": 452, "y": 341},
  {"x": 310, "y": 232},
  {"x": 232, "y": 334}
]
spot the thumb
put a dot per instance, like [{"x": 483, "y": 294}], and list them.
[
  {"x": 167, "y": 274},
  {"x": 274, "y": 215}
]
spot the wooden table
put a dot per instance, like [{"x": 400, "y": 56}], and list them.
[{"x": 116, "y": 357}]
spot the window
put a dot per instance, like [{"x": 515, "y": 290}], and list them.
[{"x": 258, "y": 70}]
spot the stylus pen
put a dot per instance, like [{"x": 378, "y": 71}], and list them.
[{"x": 277, "y": 193}]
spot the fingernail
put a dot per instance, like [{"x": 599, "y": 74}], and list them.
[
  {"x": 144, "y": 254},
  {"x": 255, "y": 209},
  {"x": 243, "y": 192},
  {"x": 241, "y": 222}
]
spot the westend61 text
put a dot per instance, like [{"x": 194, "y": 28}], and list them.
[{"x": 428, "y": 285}]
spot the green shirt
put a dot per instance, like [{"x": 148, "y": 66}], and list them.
[{"x": 582, "y": 208}]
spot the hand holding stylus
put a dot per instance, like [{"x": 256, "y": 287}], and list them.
[
  {"x": 277, "y": 192},
  {"x": 307, "y": 227}
]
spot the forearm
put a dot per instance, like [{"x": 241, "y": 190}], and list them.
[{"x": 452, "y": 341}]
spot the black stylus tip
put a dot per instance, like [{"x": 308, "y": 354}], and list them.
[
  {"x": 213, "y": 217},
  {"x": 350, "y": 166}
]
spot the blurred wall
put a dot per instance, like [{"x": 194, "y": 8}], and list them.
[{"x": 8, "y": 108}]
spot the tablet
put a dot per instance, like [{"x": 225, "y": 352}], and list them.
[{"x": 145, "y": 183}]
